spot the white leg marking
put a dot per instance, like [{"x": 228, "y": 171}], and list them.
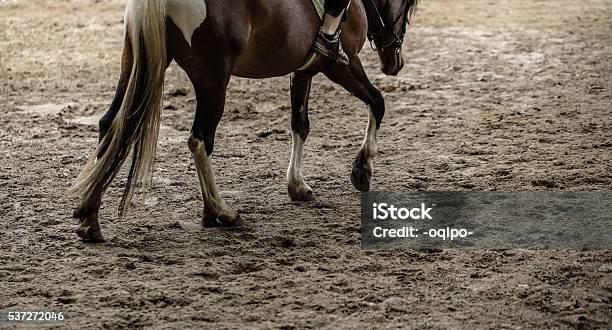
[
  {"x": 188, "y": 15},
  {"x": 213, "y": 205},
  {"x": 295, "y": 180},
  {"x": 362, "y": 166},
  {"x": 294, "y": 172},
  {"x": 368, "y": 147}
]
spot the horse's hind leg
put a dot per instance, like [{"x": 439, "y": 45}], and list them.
[
  {"x": 211, "y": 102},
  {"x": 300, "y": 127},
  {"x": 127, "y": 61},
  {"x": 354, "y": 79},
  {"x": 87, "y": 211}
]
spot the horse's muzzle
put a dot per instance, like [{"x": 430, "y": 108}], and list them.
[{"x": 391, "y": 61}]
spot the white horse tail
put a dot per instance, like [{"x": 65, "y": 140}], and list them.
[{"x": 136, "y": 125}]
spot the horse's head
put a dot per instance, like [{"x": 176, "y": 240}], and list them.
[{"x": 387, "y": 20}]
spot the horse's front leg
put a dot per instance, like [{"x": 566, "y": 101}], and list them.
[
  {"x": 300, "y": 127},
  {"x": 354, "y": 79}
]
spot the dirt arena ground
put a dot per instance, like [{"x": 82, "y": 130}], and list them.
[{"x": 496, "y": 95}]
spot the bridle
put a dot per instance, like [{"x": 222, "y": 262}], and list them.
[{"x": 398, "y": 37}]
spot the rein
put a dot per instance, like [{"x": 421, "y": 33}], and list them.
[{"x": 398, "y": 37}]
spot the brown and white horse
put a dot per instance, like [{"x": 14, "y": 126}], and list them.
[{"x": 213, "y": 40}]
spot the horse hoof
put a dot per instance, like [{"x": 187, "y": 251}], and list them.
[
  {"x": 301, "y": 193},
  {"x": 210, "y": 222},
  {"x": 227, "y": 218},
  {"x": 238, "y": 222},
  {"x": 90, "y": 234},
  {"x": 360, "y": 177}
]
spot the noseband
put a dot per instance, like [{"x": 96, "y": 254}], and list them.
[{"x": 398, "y": 37}]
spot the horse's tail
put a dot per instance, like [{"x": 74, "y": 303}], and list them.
[{"x": 136, "y": 125}]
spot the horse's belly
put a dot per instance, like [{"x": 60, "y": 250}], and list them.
[
  {"x": 279, "y": 41},
  {"x": 271, "y": 61}
]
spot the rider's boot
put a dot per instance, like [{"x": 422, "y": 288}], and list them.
[{"x": 328, "y": 39}]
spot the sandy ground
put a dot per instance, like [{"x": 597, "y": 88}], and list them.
[{"x": 496, "y": 95}]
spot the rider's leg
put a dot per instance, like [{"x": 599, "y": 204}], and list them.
[
  {"x": 333, "y": 15},
  {"x": 328, "y": 41}
]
